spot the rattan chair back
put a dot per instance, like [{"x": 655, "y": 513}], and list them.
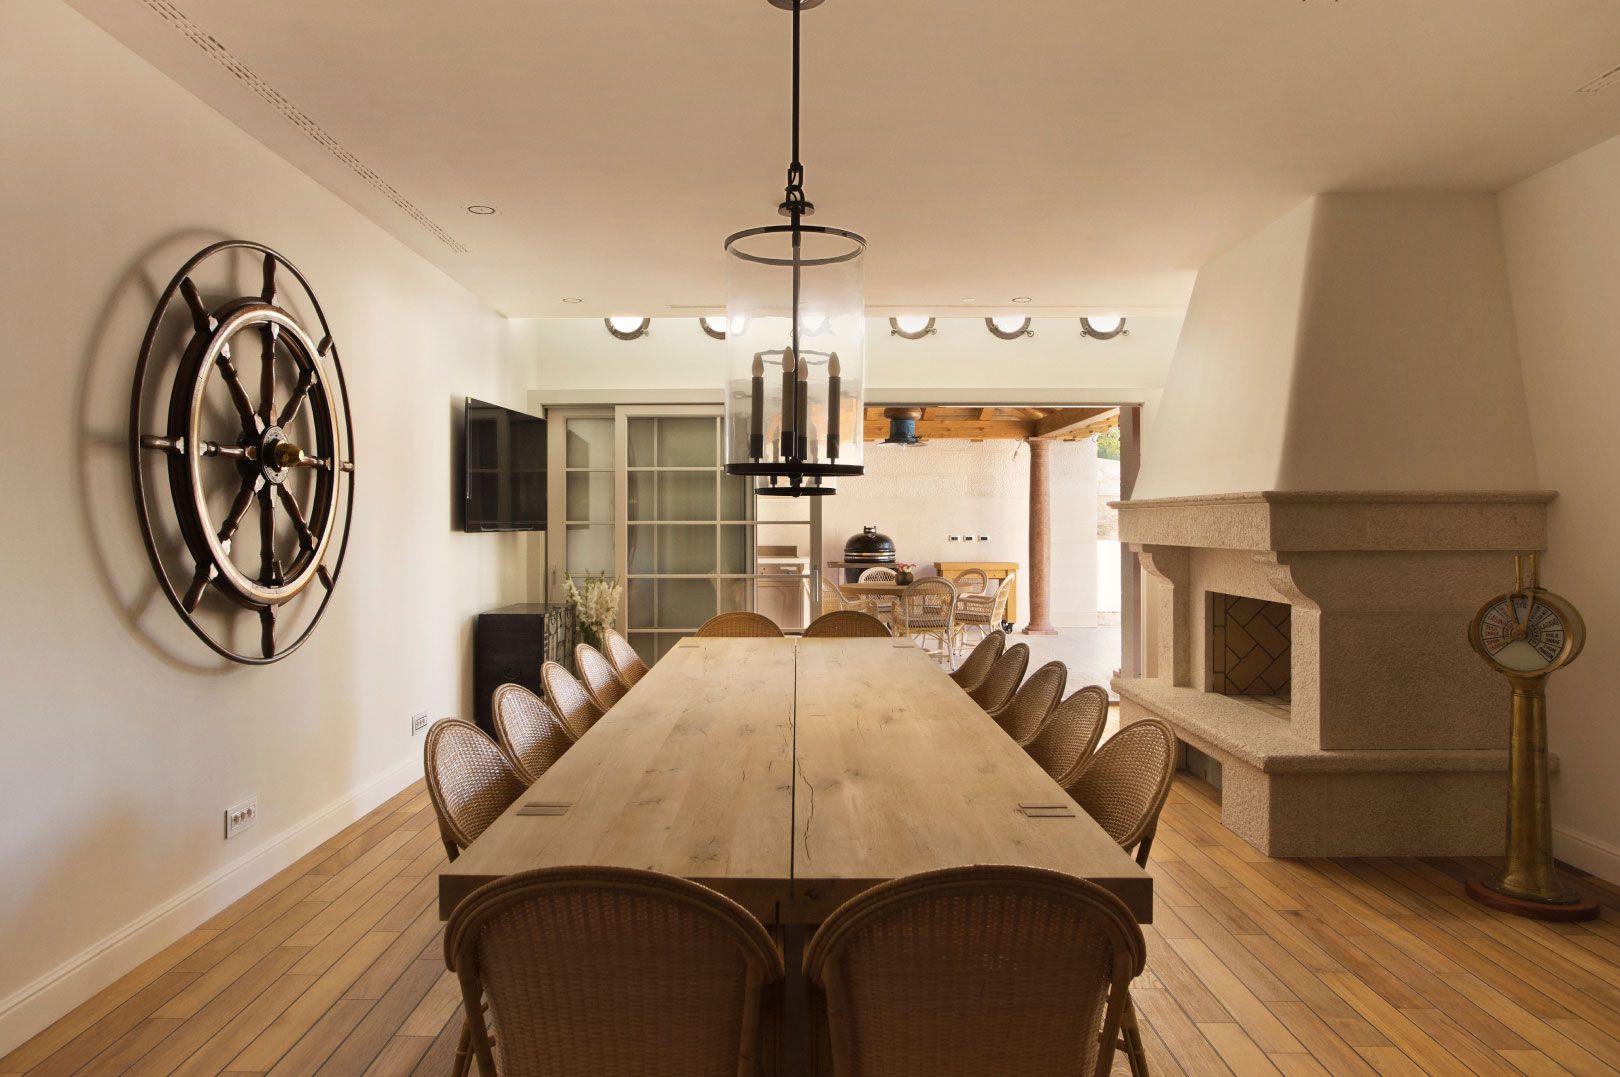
[
  {"x": 532, "y": 736},
  {"x": 846, "y": 623},
  {"x": 971, "y": 971},
  {"x": 877, "y": 574},
  {"x": 596, "y": 673},
  {"x": 1030, "y": 706},
  {"x": 740, "y": 624},
  {"x": 1070, "y": 735},
  {"x": 610, "y": 971},
  {"x": 469, "y": 780},
  {"x": 972, "y": 581},
  {"x": 626, "y": 662},
  {"x": 1124, "y": 784},
  {"x": 568, "y": 699},
  {"x": 972, "y": 673},
  {"x": 998, "y": 686}
]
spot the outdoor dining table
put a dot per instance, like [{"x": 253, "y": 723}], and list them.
[{"x": 790, "y": 775}]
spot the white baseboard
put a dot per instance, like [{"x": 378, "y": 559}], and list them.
[
  {"x": 32, "y": 1007},
  {"x": 1592, "y": 855}
]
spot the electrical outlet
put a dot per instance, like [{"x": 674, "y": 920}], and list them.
[
  {"x": 956, "y": 538},
  {"x": 984, "y": 538},
  {"x": 967, "y": 538},
  {"x": 241, "y": 816},
  {"x": 418, "y": 723}
]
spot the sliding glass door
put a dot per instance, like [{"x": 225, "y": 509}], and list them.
[{"x": 643, "y": 494}]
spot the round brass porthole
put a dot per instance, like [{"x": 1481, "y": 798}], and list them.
[
  {"x": 910, "y": 327},
  {"x": 1008, "y": 328},
  {"x": 627, "y": 328},
  {"x": 1104, "y": 327}
]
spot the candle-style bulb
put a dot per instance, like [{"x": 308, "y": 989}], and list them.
[
  {"x": 801, "y": 424},
  {"x": 789, "y": 382},
  {"x": 756, "y": 408},
  {"x": 835, "y": 404}
]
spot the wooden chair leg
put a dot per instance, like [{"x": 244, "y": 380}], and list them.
[
  {"x": 1131, "y": 1040},
  {"x": 463, "y": 1052}
]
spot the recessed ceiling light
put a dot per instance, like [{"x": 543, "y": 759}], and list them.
[
  {"x": 1021, "y": 299},
  {"x": 482, "y": 211},
  {"x": 573, "y": 299},
  {"x": 967, "y": 299}
]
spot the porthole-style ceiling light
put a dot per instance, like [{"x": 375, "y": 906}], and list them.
[
  {"x": 1008, "y": 327},
  {"x": 627, "y": 328},
  {"x": 911, "y": 327},
  {"x": 481, "y": 211},
  {"x": 1104, "y": 327},
  {"x": 796, "y": 343},
  {"x": 719, "y": 327}
]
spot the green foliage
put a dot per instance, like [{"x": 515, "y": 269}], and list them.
[{"x": 1108, "y": 444}]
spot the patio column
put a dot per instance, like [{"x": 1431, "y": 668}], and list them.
[{"x": 1040, "y": 540}]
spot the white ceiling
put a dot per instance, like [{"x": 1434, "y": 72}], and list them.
[{"x": 1087, "y": 155}]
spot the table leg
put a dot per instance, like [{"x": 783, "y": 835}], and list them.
[{"x": 795, "y": 1057}]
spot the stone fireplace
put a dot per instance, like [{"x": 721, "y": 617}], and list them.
[
  {"x": 1314, "y": 645},
  {"x": 1249, "y": 647}
]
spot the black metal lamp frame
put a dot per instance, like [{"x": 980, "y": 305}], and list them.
[{"x": 803, "y": 477}]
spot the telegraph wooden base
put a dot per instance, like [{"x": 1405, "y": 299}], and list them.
[{"x": 1583, "y": 908}]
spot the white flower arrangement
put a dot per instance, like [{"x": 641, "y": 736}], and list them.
[{"x": 597, "y": 607}]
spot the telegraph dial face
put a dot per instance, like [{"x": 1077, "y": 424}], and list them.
[{"x": 1527, "y": 632}]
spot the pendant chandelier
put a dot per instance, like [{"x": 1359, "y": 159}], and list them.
[{"x": 796, "y": 370}]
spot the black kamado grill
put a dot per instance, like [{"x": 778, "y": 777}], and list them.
[{"x": 865, "y": 550}]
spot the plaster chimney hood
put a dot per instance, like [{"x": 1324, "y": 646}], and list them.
[{"x": 1330, "y": 486}]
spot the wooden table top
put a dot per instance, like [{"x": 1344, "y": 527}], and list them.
[
  {"x": 898, "y": 771},
  {"x": 689, "y": 774}
]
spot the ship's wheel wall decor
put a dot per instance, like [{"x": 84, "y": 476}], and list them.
[{"x": 256, "y": 446}]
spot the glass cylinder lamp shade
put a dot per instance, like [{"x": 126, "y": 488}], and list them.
[{"x": 796, "y": 358}]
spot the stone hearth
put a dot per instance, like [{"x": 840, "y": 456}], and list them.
[{"x": 1387, "y": 736}]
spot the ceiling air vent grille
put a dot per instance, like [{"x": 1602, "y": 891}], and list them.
[
  {"x": 1602, "y": 82},
  {"x": 208, "y": 44}
]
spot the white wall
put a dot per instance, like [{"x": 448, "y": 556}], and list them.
[
  {"x": 1562, "y": 231},
  {"x": 1360, "y": 342},
  {"x": 125, "y": 739},
  {"x": 921, "y": 496}
]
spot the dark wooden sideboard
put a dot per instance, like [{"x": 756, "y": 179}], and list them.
[{"x": 510, "y": 643}]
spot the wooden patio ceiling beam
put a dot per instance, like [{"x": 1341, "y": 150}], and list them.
[
  {"x": 1066, "y": 419},
  {"x": 961, "y": 429}
]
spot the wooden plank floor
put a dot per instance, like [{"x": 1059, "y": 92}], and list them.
[{"x": 1256, "y": 966}]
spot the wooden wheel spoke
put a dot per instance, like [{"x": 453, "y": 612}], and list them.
[
  {"x": 306, "y": 380},
  {"x": 268, "y": 333},
  {"x": 199, "y": 583},
  {"x": 306, "y": 537},
  {"x": 267, "y": 631},
  {"x": 239, "y": 397},
  {"x": 229, "y": 452},
  {"x": 163, "y": 443},
  {"x": 269, "y": 567},
  {"x": 239, "y": 507},
  {"x": 268, "y": 292},
  {"x": 200, "y": 317}
]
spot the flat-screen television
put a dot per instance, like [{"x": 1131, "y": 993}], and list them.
[{"x": 505, "y": 479}]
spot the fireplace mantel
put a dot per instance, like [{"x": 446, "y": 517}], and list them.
[{"x": 1393, "y": 740}]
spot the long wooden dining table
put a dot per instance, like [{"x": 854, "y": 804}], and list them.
[{"x": 790, "y": 775}]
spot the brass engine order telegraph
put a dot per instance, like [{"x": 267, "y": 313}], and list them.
[{"x": 1525, "y": 635}]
